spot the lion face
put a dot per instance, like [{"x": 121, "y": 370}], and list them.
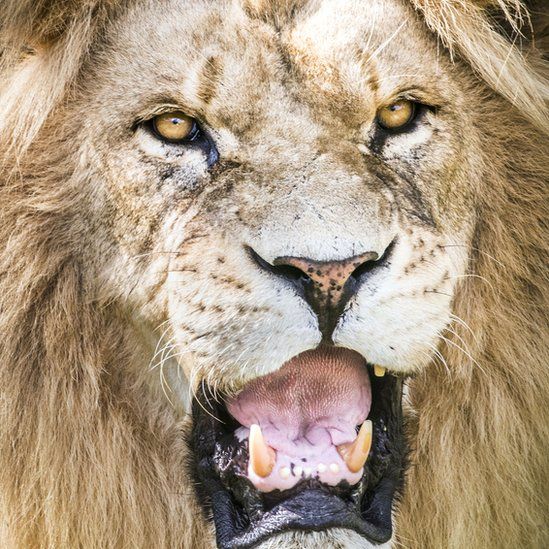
[{"x": 289, "y": 230}]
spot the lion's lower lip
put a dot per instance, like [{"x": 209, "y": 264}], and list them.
[
  {"x": 245, "y": 516},
  {"x": 313, "y": 509}
]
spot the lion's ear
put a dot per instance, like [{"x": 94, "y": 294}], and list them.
[{"x": 39, "y": 23}]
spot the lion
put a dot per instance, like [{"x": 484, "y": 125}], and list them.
[{"x": 272, "y": 274}]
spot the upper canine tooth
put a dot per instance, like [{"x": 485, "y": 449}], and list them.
[
  {"x": 355, "y": 453},
  {"x": 379, "y": 371},
  {"x": 262, "y": 457}
]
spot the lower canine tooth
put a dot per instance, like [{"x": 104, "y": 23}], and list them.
[
  {"x": 379, "y": 371},
  {"x": 262, "y": 457},
  {"x": 356, "y": 453}
]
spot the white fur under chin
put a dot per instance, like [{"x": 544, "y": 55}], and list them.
[{"x": 331, "y": 539}]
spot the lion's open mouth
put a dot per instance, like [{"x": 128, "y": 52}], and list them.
[{"x": 317, "y": 444}]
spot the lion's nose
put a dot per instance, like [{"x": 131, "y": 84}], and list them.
[{"x": 325, "y": 285}]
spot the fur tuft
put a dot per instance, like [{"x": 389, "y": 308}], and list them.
[
  {"x": 35, "y": 23},
  {"x": 42, "y": 46},
  {"x": 275, "y": 13},
  {"x": 465, "y": 29}
]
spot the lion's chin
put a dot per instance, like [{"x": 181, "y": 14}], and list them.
[
  {"x": 317, "y": 446},
  {"x": 335, "y": 538}
]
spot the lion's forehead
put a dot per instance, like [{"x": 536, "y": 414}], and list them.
[
  {"x": 287, "y": 102},
  {"x": 331, "y": 64}
]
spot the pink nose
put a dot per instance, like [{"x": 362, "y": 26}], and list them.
[{"x": 328, "y": 279}]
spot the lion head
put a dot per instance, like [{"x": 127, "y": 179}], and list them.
[{"x": 271, "y": 274}]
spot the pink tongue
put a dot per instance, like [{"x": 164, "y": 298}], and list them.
[{"x": 305, "y": 409}]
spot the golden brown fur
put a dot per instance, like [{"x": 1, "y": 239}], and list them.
[
  {"x": 491, "y": 404},
  {"x": 92, "y": 457}
]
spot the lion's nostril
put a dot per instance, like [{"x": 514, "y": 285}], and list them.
[
  {"x": 288, "y": 272},
  {"x": 291, "y": 273},
  {"x": 364, "y": 268},
  {"x": 367, "y": 266}
]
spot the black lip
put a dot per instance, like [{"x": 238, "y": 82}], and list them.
[{"x": 244, "y": 517}]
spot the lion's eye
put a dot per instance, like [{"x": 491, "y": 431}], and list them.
[
  {"x": 175, "y": 127},
  {"x": 397, "y": 115}
]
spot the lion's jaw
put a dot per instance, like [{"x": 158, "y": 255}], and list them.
[{"x": 303, "y": 173}]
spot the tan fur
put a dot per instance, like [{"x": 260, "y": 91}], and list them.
[
  {"x": 93, "y": 456},
  {"x": 480, "y": 458}
]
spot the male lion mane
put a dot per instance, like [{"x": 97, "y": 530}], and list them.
[{"x": 87, "y": 459}]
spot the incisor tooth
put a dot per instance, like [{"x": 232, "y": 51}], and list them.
[
  {"x": 284, "y": 472},
  {"x": 298, "y": 471},
  {"x": 355, "y": 453},
  {"x": 334, "y": 467},
  {"x": 321, "y": 468},
  {"x": 379, "y": 371},
  {"x": 262, "y": 457}
]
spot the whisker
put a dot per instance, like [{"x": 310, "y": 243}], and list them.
[
  {"x": 164, "y": 384},
  {"x": 384, "y": 44},
  {"x": 193, "y": 396},
  {"x": 161, "y": 324},
  {"x": 440, "y": 356},
  {"x": 484, "y": 279},
  {"x": 370, "y": 34},
  {"x": 466, "y": 348},
  {"x": 158, "y": 349},
  {"x": 460, "y": 321},
  {"x": 437, "y": 292},
  {"x": 473, "y": 248},
  {"x": 466, "y": 353},
  {"x": 203, "y": 388}
]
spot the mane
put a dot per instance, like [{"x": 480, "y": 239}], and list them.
[
  {"x": 480, "y": 434},
  {"x": 78, "y": 423}
]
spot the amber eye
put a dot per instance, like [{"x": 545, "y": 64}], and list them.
[
  {"x": 397, "y": 115},
  {"x": 174, "y": 126}
]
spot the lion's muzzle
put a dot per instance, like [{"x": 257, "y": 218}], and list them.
[{"x": 326, "y": 286}]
